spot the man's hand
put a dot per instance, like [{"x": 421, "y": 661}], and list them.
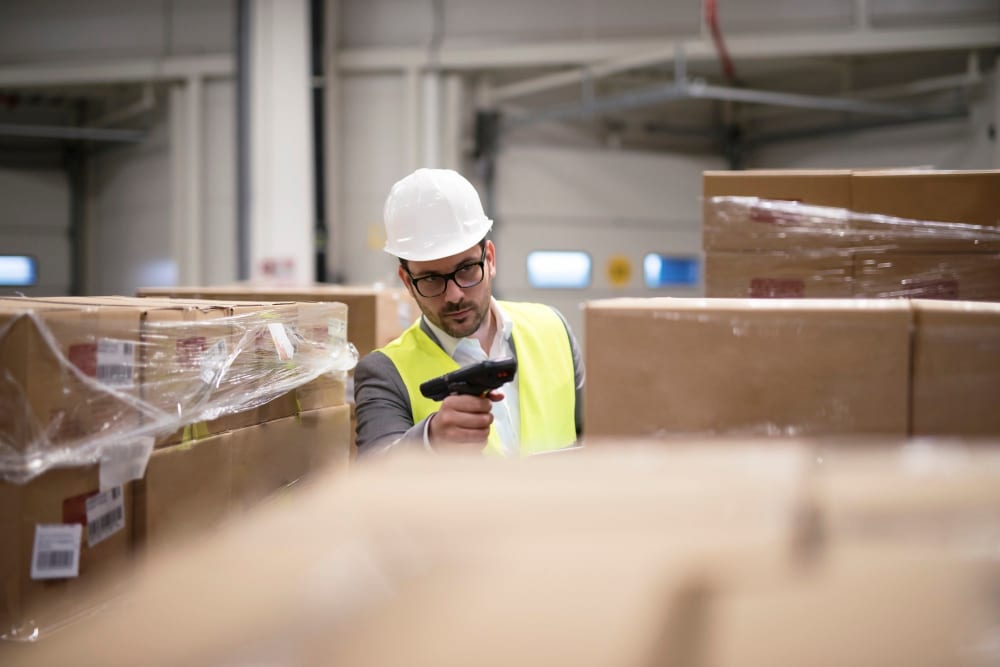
[{"x": 463, "y": 419}]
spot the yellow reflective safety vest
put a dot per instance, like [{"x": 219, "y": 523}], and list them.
[{"x": 545, "y": 376}]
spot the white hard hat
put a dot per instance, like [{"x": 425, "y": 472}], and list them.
[{"x": 431, "y": 214}]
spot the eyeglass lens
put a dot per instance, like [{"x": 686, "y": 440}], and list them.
[{"x": 466, "y": 276}]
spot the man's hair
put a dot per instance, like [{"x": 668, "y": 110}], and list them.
[{"x": 406, "y": 265}]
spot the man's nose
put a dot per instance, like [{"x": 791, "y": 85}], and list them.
[{"x": 452, "y": 291}]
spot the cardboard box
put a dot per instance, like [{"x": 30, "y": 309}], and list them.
[
  {"x": 631, "y": 551},
  {"x": 969, "y": 197},
  {"x": 275, "y": 455},
  {"x": 186, "y": 490},
  {"x": 50, "y": 357},
  {"x": 956, "y": 369},
  {"x": 778, "y": 274},
  {"x": 194, "y": 486},
  {"x": 180, "y": 335},
  {"x": 746, "y": 366},
  {"x": 56, "y": 497},
  {"x": 928, "y": 202},
  {"x": 740, "y": 227},
  {"x": 376, "y": 315},
  {"x": 842, "y": 273},
  {"x": 955, "y": 276}
]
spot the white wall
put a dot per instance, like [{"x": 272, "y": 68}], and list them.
[
  {"x": 219, "y": 263},
  {"x": 134, "y": 220},
  {"x": 129, "y": 217},
  {"x": 74, "y": 30},
  {"x": 607, "y": 203},
  {"x": 130, "y": 200},
  {"x": 372, "y": 159},
  {"x": 34, "y": 220}
]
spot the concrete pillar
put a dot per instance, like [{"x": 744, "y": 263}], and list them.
[{"x": 281, "y": 140}]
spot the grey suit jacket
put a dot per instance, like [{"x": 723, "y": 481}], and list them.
[{"x": 384, "y": 415}]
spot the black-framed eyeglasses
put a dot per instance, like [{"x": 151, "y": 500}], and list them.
[{"x": 435, "y": 284}]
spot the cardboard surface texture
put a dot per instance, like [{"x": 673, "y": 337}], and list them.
[
  {"x": 950, "y": 276},
  {"x": 778, "y": 275},
  {"x": 956, "y": 368},
  {"x": 194, "y": 486},
  {"x": 375, "y": 315},
  {"x": 48, "y": 352},
  {"x": 941, "y": 241},
  {"x": 56, "y": 497},
  {"x": 560, "y": 553},
  {"x": 744, "y": 366}
]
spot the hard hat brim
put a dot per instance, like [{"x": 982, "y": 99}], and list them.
[{"x": 433, "y": 248}]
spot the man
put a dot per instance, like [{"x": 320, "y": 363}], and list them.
[{"x": 435, "y": 225}]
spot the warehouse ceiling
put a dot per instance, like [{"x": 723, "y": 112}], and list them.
[
  {"x": 689, "y": 74},
  {"x": 698, "y": 106}
]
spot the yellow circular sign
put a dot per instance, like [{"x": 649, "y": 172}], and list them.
[{"x": 619, "y": 270}]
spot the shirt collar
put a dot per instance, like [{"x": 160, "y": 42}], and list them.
[{"x": 450, "y": 343}]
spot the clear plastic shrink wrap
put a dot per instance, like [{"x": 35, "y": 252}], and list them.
[
  {"x": 759, "y": 247},
  {"x": 96, "y": 381}
]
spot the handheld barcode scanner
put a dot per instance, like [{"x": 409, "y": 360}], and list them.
[{"x": 477, "y": 379}]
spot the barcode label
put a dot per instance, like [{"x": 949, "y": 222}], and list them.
[
  {"x": 282, "y": 344},
  {"x": 116, "y": 362},
  {"x": 57, "y": 551},
  {"x": 105, "y": 515},
  {"x": 212, "y": 361}
]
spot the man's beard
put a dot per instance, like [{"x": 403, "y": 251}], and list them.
[{"x": 461, "y": 330}]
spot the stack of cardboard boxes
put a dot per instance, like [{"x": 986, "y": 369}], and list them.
[
  {"x": 378, "y": 314},
  {"x": 842, "y": 233},
  {"x": 180, "y": 413},
  {"x": 702, "y": 555},
  {"x": 792, "y": 367},
  {"x": 798, "y": 362}
]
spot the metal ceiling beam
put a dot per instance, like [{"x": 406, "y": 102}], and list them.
[
  {"x": 641, "y": 52},
  {"x": 72, "y": 133},
  {"x": 684, "y": 89},
  {"x": 952, "y": 82},
  {"x": 174, "y": 68},
  {"x": 749, "y": 96},
  {"x": 857, "y": 42}
]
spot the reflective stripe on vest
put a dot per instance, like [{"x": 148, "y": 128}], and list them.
[{"x": 545, "y": 376}]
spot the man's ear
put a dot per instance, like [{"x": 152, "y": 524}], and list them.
[{"x": 491, "y": 258}]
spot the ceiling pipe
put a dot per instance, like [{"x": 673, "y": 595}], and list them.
[{"x": 711, "y": 16}]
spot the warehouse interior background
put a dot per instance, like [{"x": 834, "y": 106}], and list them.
[{"x": 203, "y": 142}]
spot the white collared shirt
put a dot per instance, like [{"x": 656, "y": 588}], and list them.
[{"x": 466, "y": 351}]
